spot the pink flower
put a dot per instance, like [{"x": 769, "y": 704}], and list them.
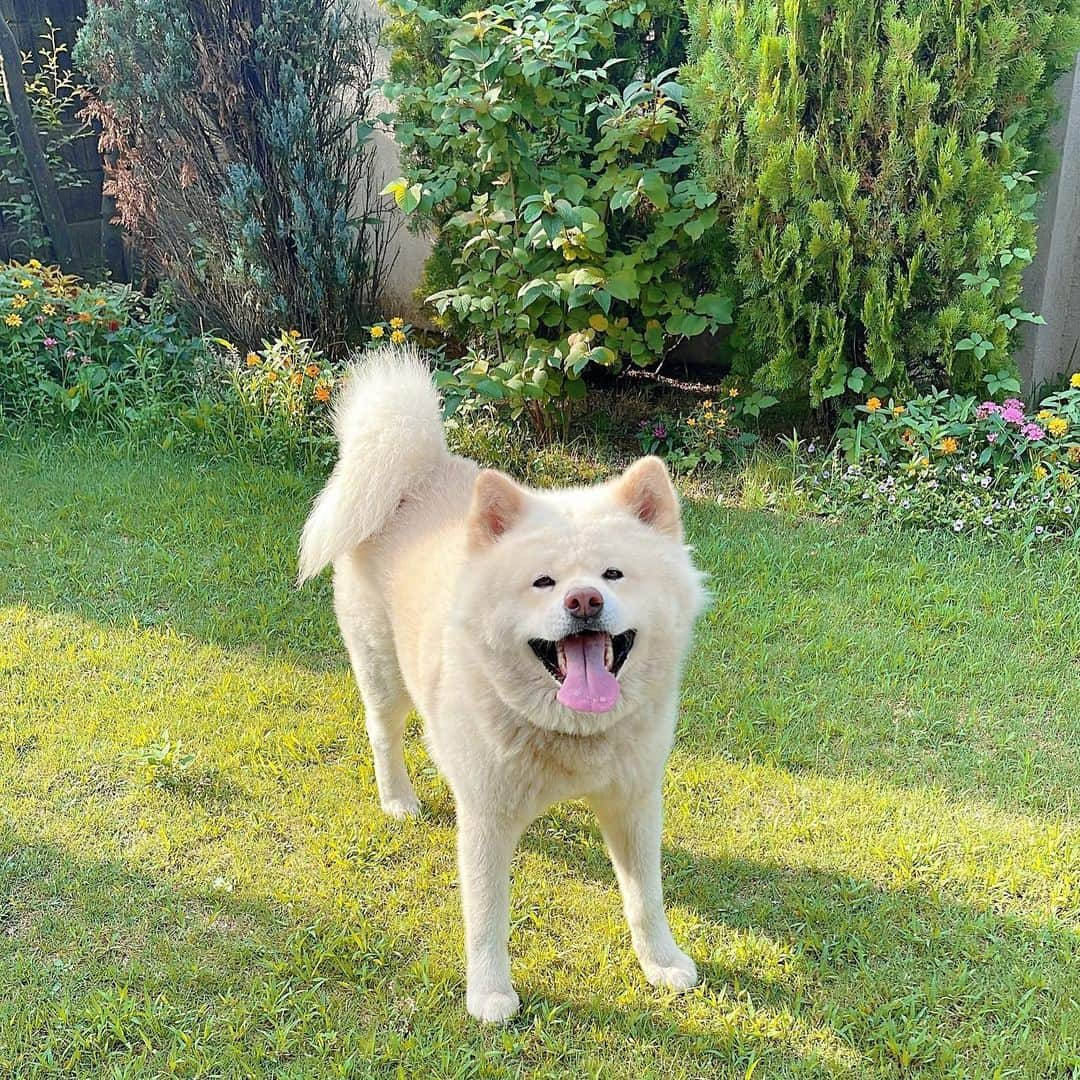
[
  {"x": 1032, "y": 432},
  {"x": 988, "y": 408},
  {"x": 992, "y": 437},
  {"x": 1012, "y": 414},
  {"x": 659, "y": 431},
  {"x": 49, "y": 342}
]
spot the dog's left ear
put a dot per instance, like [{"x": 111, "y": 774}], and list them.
[{"x": 647, "y": 492}]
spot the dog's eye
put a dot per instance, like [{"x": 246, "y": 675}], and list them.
[
  {"x": 611, "y": 574},
  {"x": 544, "y": 582}
]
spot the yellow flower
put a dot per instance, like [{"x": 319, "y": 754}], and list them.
[
  {"x": 311, "y": 370},
  {"x": 691, "y": 422},
  {"x": 706, "y": 404},
  {"x": 26, "y": 283},
  {"x": 873, "y": 404},
  {"x": 377, "y": 332},
  {"x": 1039, "y": 472},
  {"x": 733, "y": 392},
  {"x": 294, "y": 334},
  {"x": 1066, "y": 480},
  {"x": 1074, "y": 454},
  {"x": 85, "y": 316},
  {"x": 252, "y": 359},
  {"x": 397, "y": 323},
  {"x": 296, "y": 378},
  {"x": 34, "y": 264},
  {"x": 322, "y": 393},
  {"x": 398, "y": 337},
  {"x": 1074, "y": 382},
  {"x": 19, "y": 301},
  {"x": 948, "y": 445},
  {"x": 100, "y": 301},
  {"x": 1042, "y": 414},
  {"x": 898, "y": 410},
  {"x": 13, "y": 320},
  {"x": 271, "y": 376},
  {"x": 709, "y": 415},
  {"x": 1058, "y": 426},
  {"x": 48, "y": 309}
]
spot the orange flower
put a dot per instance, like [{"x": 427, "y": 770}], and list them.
[
  {"x": 322, "y": 393},
  {"x": 296, "y": 378},
  {"x": 311, "y": 371},
  {"x": 271, "y": 376},
  {"x": 252, "y": 359},
  {"x": 873, "y": 404},
  {"x": 948, "y": 445},
  {"x": 85, "y": 316}
]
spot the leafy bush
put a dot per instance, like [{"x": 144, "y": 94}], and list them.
[
  {"x": 238, "y": 148},
  {"x": 568, "y": 198},
  {"x": 955, "y": 462},
  {"x": 104, "y": 353},
  {"x": 53, "y": 94},
  {"x": 875, "y": 162}
]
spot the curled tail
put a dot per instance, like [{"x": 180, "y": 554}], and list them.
[{"x": 390, "y": 439}]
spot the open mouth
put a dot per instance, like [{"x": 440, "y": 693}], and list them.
[{"x": 585, "y": 666}]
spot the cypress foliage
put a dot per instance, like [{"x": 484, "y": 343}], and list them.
[{"x": 876, "y": 160}]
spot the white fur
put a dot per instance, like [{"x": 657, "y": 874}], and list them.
[{"x": 436, "y": 603}]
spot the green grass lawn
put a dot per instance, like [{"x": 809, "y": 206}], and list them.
[{"x": 871, "y": 846}]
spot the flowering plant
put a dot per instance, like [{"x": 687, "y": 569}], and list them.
[
  {"x": 73, "y": 348},
  {"x": 711, "y": 433},
  {"x": 941, "y": 460}
]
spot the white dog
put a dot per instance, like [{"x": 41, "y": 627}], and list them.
[{"x": 539, "y": 634}]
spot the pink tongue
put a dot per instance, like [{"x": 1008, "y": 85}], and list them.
[{"x": 588, "y": 686}]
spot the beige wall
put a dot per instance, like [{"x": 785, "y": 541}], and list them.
[
  {"x": 1052, "y": 283},
  {"x": 411, "y": 250}
]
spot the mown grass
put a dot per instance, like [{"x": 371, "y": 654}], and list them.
[{"x": 871, "y": 843}]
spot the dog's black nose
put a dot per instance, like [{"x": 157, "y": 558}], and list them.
[{"x": 583, "y": 603}]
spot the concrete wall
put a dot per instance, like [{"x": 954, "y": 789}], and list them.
[
  {"x": 410, "y": 251},
  {"x": 1052, "y": 283}
]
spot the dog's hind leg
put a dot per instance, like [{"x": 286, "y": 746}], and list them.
[{"x": 369, "y": 639}]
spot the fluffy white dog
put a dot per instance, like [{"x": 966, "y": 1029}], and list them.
[{"x": 540, "y": 635}]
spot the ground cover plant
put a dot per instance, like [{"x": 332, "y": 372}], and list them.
[
  {"x": 958, "y": 463},
  {"x": 871, "y": 843}
]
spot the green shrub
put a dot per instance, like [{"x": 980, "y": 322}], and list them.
[
  {"x": 955, "y": 463},
  {"x": 102, "y": 353},
  {"x": 875, "y": 163},
  {"x": 237, "y": 137},
  {"x": 654, "y": 41},
  {"x": 558, "y": 177}
]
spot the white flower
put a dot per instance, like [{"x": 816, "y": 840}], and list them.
[
  {"x": 958, "y": 525},
  {"x": 988, "y": 520}
]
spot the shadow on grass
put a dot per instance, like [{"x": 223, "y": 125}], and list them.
[
  {"x": 108, "y": 968},
  {"x": 903, "y": 980}
]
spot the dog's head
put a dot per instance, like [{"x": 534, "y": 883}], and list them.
[{"x": 580, "y": 602}]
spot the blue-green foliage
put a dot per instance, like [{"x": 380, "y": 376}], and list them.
[{"x": 242, "y": 149}]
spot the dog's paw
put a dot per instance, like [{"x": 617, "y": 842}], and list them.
[
  {"x": 492, "y": 1006},
  {"x": 677, "y": 972},
  {"x": 405, "y": 806}
]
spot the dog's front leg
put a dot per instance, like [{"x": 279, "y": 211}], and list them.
[
  {"x": 485, "y": 848},
  {"x": 631, "y": 827}
]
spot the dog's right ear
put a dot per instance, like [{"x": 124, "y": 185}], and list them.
[{"x": 497, "y": 503}]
